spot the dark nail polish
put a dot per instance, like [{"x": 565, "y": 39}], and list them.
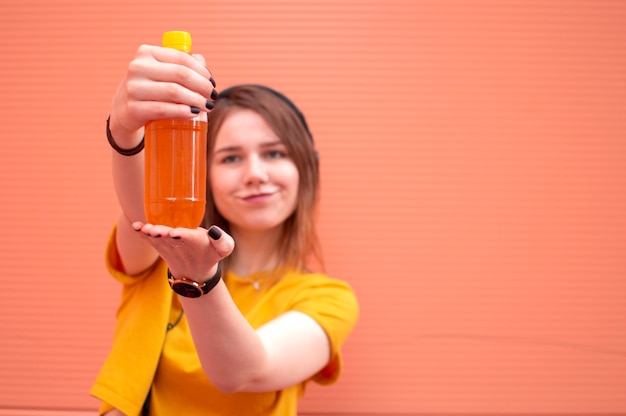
[
  {"x": 213, "y": 82},
  {"x": 214, "y": 233},
  {"x": 176, "y": 237},
  {"x": 195, "y": 110},
  {"x": 214, "y": 95},
  {"x": 157, "y": 236},
  {"x": 210, "y": 104}
]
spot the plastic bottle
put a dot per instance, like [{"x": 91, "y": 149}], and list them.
[{"x": 175, "y": 162}]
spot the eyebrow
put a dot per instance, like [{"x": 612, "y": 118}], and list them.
[{"x": 235, "y": 148}]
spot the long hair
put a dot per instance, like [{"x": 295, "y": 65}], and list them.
[{"x": 299, "y": 241}]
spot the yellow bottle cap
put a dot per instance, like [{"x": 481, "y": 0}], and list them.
[{"x": 177, "y": 40}]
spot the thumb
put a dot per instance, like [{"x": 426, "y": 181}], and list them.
[{"x": 222, "y": 242}]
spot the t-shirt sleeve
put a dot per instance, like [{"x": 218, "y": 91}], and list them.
[
  {"x": 104, "y": 408},
  {"x": 333, "y": 305},
  {"x": 142, "y": 315},
  {"x": 115, "y": 267}
]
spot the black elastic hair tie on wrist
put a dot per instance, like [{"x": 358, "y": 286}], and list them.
[{"x": 123, "y": 152}]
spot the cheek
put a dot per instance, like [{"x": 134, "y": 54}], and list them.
[
  {"x": 218, "y": 183},
  {"x": 292, "y": 180}
]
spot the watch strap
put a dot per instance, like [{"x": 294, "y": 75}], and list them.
[{"x": 202, "y": 288}]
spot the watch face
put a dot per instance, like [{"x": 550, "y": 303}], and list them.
[{"x": 187, "y": 290}]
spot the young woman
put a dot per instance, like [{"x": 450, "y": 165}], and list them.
[{"x": 263, "y": 325}]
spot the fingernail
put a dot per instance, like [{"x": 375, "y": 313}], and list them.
[
  {"x": 214, "y": 95},
  {"x": 214, "y": 233},
  {"x": 176, "y": 237},
  {"x": 213, "y": 82},
  {"x": 210, "y": 104},
  {"x": 157, "y": 236},
  {"x": 195, "y": 110}
]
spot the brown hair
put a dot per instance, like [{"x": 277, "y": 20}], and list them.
[{"x": 299, "y": 239}]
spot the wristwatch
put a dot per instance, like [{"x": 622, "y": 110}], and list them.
[{"x": 190, "y": 288}]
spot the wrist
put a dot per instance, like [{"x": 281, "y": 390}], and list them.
[
  {"x": 191, "y": 288},
  {"x": 119, "y": 145}
]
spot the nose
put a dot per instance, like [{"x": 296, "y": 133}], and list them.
[{"x": 255, "y": 170}]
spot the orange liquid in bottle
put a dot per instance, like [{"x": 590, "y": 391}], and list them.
[{"x": 175, "y": 180}]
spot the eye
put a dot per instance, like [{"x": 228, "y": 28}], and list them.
[
  {"x": 275, "y": 154},
  {"x": 230, "y": 159}
]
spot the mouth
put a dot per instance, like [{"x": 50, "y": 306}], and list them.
[{"x": 258, "y": 197}]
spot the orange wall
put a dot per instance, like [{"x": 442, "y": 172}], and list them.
[{"x": 474, "y": 176}]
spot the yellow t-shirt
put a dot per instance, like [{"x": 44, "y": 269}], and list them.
[{"x": 146, "y": 355}]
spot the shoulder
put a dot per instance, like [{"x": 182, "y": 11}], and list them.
[
  {"x": 315, "y": 284},
  {"x": 321, "y": 296}
]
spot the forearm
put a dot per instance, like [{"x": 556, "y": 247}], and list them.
[
  {"x": 231, "y": 352},
  {"x": 128, "y": 174}
]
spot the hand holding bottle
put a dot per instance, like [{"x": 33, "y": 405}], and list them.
[{"x": 160, "y": 83}]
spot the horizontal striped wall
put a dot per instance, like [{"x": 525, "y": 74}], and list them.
[{"x": 473, "y": 162}]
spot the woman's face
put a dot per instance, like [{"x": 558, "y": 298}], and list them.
[{"x": 253, "y": 179}]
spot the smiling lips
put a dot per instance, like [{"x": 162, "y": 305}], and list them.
[{"x": 259, "y": 197}]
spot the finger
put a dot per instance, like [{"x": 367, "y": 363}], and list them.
[
  {"x": 184, "y": 76},
  {"x": 170, "y": 55},
  {"x": 137, "y": 225},
  {"x": 154, "y": 231},
  {"x": 142, "y": 89},
  {"x": 172, "y": 65},
  {"x": 140, "y": 227},
  {"x": 175, "y": 82},
  {"x": 201, "y": 59},
  {"x": 148, "y": 60},
  {"x": 146, "y": 231},
  {"x": 158, "y": 110},
  {"x": 223, "y": 243}
]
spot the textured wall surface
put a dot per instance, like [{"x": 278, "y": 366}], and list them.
[{"x": 474, "y": 174}]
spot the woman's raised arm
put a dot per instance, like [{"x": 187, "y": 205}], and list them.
[{"x": 160, "y": 83}]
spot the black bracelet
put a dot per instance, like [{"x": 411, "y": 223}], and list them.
[{"x": 123, "y": 152}]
